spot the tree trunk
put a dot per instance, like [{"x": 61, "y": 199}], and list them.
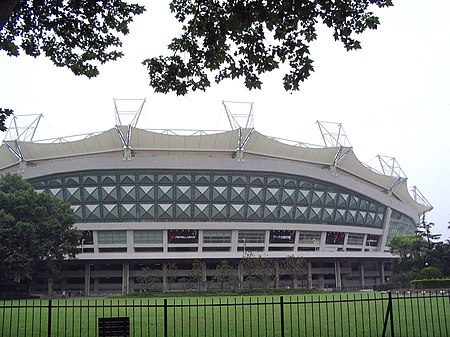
[{"x": 6, "y": 8}]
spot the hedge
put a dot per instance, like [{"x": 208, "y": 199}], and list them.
[{"x": 431, "y": 284}]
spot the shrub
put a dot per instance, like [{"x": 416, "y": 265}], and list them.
[
  {"x": 430, "y": 273},
  {"x": 431, "y": 284}
]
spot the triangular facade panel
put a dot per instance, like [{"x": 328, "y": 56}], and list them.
[
  {"x": 72, "y": 181},
  {"x": 146, "y": 179},
  {"x": 146, "y": 193},
  {"x": 220, "y": 193},
  {"x": 201, "y": 211},
  {"x": 219, "y": 211},
  {"x": 201, "y": 193},
  {"x": 128, "y": 193},
  {"x": 129, "y": 212},
  {"x": 146, "y": 211},
  {"x": 304, "y": 197},
  {"x": 73, "y": 194},
  {"x": 184, "y": 179},
  {"x": 109, "y": 193},
  {"x": 165, "y": 193},
  {"x": 237, "y": 212},
  {"x": 270, "y": 212},
  {"x": 91, "y": 194},
  {"x": 108, "y": 180}
]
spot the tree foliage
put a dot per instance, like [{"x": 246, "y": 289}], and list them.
[
  {"x": 295, "y": 267},
  {"x": 4, "y": 113},
  {"x": 147, "y": 278},
  {"x": 246, "y": 38},
  {"x": 408, "y": 246},
  {"x": 76, "y": 34},
  {"x": 36, "y": 232},
  {"x": 417, "y": 254},
  {"x": 220, "y": 39},
  {"x": 197, "y": 274},
  {"x": 224, "y": 273}
]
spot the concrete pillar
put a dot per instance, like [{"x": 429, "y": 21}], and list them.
[
  {"x": 87, "y": 279},
  {"x": 295, "y": 282},
  {"x": 50, "y": 287},
  {"x": 321, "y": 281},
  {"x": 337, "y": 274},
  {"x": 361, "y": 272},
  {"x": 276, "y": 266},
  {"x": 382, "y": 275},
  {"x": 164, "y": 278},
  {"x": 309, "y": 275},
  {"x": 204, "y": 275},
  {"x": 96, "y": 285},
  {"x": 125, "y": 278},
  {"x": 240, "y": 276}
]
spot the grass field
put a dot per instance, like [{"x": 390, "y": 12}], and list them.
[{"x": 347, "y": 314}]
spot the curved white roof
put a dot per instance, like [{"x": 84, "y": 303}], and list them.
[{"x": 257, "y": 144}]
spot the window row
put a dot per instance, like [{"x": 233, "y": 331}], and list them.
[{"x": 224, "y": 237}]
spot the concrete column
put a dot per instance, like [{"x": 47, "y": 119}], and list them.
[
  {"x": 96, "y": 285},
  {"x": 382, "y": 276},
  {"x": 125, "y": 278},
  {"x": 164, "y": 277},
  {"x": 361, "y": 272},
  {"x": 87, "y": 279},
  {"x": 203, "y": 275},
  {"x": 276, "y": 266},
  {"x": 309, "y": 275},
  {"x": 50, "y": 287},
  {"x": 240, "y": 276},
  {"x": 337, "y": 274},
  {"x": 321, "y": 281}
]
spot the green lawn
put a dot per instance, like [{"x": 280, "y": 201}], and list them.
[{"x": 349, "y": 314}]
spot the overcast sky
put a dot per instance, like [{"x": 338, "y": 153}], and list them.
[{"x": 392, "y": 97}]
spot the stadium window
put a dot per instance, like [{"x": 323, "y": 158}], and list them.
[
  {"x": 372, "y": 240},
  {"x": 355, "y": 239},
  {"x": 251, "y": 237},
  {"x": 309, "y": 237},
  {"x": 112, "y": 237},
  {"x": 148, "y": 237},
  {"x": 216, "y": 236}
]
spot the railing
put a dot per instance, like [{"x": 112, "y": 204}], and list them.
[{"x": 355, "y": 314}]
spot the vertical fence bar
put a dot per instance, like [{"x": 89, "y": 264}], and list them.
[
  {"x": 165, "y": 318},
  {"x": 392, "y": 316},
  {"x": 49, "y": 319},
  {"x": 282, "y": 316},
  {"x": 388, "y": 312}
]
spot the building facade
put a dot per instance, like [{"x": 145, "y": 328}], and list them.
[{"x": 159, "y": 202}]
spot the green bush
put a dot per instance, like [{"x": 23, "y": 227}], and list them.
[
  {"x": 431, "y": 284},
  {"x": 430, "y": 273}
]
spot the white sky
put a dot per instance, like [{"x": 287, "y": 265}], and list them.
[{"x": 392, "y": 97}]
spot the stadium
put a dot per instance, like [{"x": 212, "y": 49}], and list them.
[{"x": 147, "y": 200}]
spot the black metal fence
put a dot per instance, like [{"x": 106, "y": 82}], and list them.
[{"x": 354, "y": 314}]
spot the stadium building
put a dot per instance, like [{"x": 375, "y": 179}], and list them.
[{"x": 146, "y": 199}]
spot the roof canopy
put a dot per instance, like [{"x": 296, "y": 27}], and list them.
[{"x": 248, "y": 140}]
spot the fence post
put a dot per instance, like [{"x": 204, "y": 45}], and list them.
[
  {"x": 49, "y": 319},
  {"x": 165, "y": 318},
  {"x": 392, "y": 316},
  {"x": 388, "y": 315},
  {"x": 282, "y": 315}
]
